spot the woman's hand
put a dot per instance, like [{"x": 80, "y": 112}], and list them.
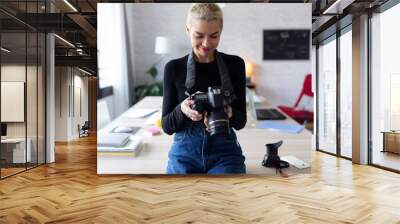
[{"x": 187, "y": 110}]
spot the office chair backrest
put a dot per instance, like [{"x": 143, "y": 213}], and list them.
[
  {"x": 86, "y": 125},
  {"x": 307, "y": 85},
  {"x": 306, "y": 90}
]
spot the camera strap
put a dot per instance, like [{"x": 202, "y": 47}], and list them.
[{"x": 226, "y": 83}]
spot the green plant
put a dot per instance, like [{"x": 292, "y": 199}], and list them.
[
  {"x": 152, "y": 71},
  {"x": 153, "y": 89}
]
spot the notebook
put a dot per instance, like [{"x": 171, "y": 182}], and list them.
[
  {"x": 112, "y": 139},
  {"x": 130, "y": 129},
  {"x": 132, "y": 148},
  {"x": 269, "y": 114}
]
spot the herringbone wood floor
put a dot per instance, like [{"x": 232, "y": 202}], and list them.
[{"x": 70, "y": 191}]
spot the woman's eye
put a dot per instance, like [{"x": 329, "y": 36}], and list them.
[
  {"x": 198, "y": 37},
  {"x": 214, "y": 37}
]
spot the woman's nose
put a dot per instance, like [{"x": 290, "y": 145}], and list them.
[{"x": 206, "y": 42}]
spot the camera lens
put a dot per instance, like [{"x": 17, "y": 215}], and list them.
[
  {"x": 219, "y": 127},
  {"x": 218, "y": 123}
]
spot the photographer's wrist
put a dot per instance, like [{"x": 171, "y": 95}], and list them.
[
  {"x": 184, "y": 111},
  {"x": 229, "y": 111}
]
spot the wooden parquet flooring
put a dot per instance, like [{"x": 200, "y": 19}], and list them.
[{"x": 70, "y": 191}]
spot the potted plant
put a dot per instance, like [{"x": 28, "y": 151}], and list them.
[{"x": 154, "y": 89}]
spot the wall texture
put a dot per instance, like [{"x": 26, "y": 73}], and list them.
[
  {"x": 279, "y": 81},
  {"x": 71, "y": 102}
]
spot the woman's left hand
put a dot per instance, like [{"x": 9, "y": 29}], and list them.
[{"x": 228, "y": 111}]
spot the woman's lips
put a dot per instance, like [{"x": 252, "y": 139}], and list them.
[{"x": 205, "y": 49}]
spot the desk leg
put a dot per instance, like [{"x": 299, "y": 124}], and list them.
[{"x": 384, "y": 142}]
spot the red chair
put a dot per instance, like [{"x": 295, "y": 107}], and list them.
[{"x": 299, "y": 114}]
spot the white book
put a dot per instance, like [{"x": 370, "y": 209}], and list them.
[
  {"x": 134, "y": 145},
  {"x": 112, "y": 139}
]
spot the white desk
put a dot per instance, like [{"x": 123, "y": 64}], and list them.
[
  {"x": 153, "y": 158},
  {"x": 19, "y": 149}
]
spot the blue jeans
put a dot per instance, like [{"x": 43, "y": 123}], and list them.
[{"x": 195, "y": 151}]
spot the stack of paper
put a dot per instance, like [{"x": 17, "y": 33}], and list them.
[
  {"x": 139, "y": 113},
  {"x": 153, "y": 118},
  {"x": 131, "y": 148},
  {"x": 295, "y": 161}
]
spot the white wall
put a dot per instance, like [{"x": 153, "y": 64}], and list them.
[
  {"x": 279, "y": 81},
  {"x": 80, "y": 118},
  {"x": 67, "y": 114},
  {"x": 61, "y": 103}
]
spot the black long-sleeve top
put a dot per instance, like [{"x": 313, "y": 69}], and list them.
[{"x": 173, "y": 119}]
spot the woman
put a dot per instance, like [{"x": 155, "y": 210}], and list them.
[{"x": 194, "y": 150}]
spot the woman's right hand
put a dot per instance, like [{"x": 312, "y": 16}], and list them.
[{"x": 189, "y": 112}]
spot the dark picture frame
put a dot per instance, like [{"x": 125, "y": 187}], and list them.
[{"x": 286, "y": 44}]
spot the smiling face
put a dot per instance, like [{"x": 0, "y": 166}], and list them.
[{"x": 204, "y": 37}]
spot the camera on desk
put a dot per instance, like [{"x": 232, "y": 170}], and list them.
[{"x": 213, "y": 102}]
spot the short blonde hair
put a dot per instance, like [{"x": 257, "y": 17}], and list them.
[{"x": 204, "y": 11}]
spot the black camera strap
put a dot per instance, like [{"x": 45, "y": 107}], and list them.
[{"x": 226, "y": 83}]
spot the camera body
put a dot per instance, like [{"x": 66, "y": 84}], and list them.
[
  {"x": 213, "y": 102},
  {"x": 272, "y": 159}
]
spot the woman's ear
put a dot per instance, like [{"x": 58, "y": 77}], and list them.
[{"x": 187, "y": 31}]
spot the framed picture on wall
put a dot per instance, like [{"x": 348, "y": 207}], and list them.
[
  {"x": 286, "y": 44},
  {"x": 12, "y": 101}
]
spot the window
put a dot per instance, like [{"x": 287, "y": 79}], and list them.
[
  {"x": 327, "y": 96},
  {"x": 346, "y": 93},
  {"x": 22, "y": 75},
  {"x": 385, "y": 88}
]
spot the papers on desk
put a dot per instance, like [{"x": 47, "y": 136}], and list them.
[
  {"x": 153, "y": 118},
  {"x": 281, "y": 127},
  {"x": 256, "y": 99},
  {"x": 296, "y": 162},
  {"x": 132, "y": 146},
  {"x": 139, "y": 113}
]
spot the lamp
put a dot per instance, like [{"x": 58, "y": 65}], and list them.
[
  {"x": 5, "y": 49},
  {"x": 70, "y": 5},
  {"x": 249, "y": 69},
  {"x": 249, "y": 73},
  {"x": 84, "y": 71},
  {"x": 65, "y": 41},
  {"x": 337, "y": 7},
  {"x": 161, "y": 47}
]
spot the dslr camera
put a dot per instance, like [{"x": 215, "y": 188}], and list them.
[
  {"x": 272, "y": 159},
  {"x": 214, "y": 102}
]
